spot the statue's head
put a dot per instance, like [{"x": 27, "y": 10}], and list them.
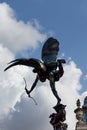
[{"x": 50, "y": 50}]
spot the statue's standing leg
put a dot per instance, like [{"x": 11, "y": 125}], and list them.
[{"x": 52, "y": 85}]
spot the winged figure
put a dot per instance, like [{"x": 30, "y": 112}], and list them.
[{"x": 49, "y": 68}]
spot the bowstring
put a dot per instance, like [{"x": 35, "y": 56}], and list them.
[{"x": 29, "y": 94}]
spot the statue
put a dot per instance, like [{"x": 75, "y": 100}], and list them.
[
  {"x": 49, "y": 68},
  {"x": 45, "y": 69}
]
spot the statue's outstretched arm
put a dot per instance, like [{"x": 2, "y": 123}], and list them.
[{"x": 33, "y": 86}]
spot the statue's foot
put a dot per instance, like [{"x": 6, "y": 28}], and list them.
[
  {"x": 59, "y": 107},
  {"x": 59, "y": 100}
]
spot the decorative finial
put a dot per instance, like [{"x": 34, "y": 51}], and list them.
[{"x": 78, "y": 103}]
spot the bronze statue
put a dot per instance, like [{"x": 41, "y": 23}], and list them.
[{"x": 49, "y": 68}]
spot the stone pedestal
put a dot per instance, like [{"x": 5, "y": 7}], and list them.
[{"x": 81, "y": 126}]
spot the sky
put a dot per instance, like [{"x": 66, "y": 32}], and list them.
[{"x": 24, "y": 27}]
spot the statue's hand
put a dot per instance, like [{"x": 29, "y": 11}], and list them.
[
  {"x": 61, "y": 61},
  {"x": 27, "y": 91},
  {"x": 29, "y": 95}
]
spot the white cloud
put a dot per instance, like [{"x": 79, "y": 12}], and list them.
[
  {"x": 14, "y": 36},
  {"x": 17, "y": 35},
  {"x": 7, "y": 84},
  {"x": 11, "y": 82}
]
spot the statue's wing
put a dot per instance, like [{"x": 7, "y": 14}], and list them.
[
  {"x": 35, "y": 63},
  {"x": 50, "y": 50}
]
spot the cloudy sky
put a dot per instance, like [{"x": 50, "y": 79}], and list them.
[{"x": 24, "y": 26}]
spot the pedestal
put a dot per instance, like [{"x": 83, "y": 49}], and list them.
[{"x": 58, "y": 118}]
